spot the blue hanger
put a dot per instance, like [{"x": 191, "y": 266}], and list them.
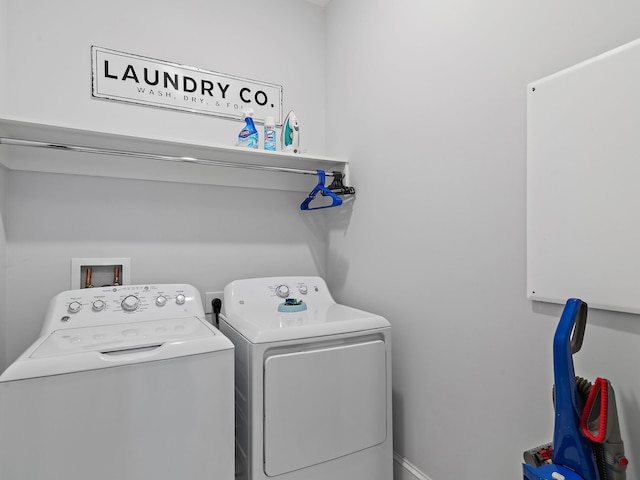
[{"x": 320, "y": 188}]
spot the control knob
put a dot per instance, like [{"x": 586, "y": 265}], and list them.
[
  {"x": 180, "y": 299},
  {"x": 98, "y": 305},
  {"x": 130, "y": 303},
  {"x": 74, "y": 307},
  {"x": 161, "y": 301},
  {"x": 282, "y": 291},
  {"x": 303, "y": 289}
]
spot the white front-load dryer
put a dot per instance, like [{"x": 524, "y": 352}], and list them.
[
  {"x": 126, "y": 382},
  {"x": 313, "y": 383}
]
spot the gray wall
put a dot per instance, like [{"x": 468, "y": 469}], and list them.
[{"x": 428, "y": 100}]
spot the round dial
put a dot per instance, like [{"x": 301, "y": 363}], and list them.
[
  {"x": 180, "y": 299},
  {"x": 303, "y": 289},
  {"x": 74, "y": 307},
  {"x": 161, "y": 301},
  {"x": 130, "y": 303},
  {"x": 98, "y": 305},
  {"x": 282, "y": 291}
]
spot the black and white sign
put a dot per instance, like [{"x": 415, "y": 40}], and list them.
[{"x": 131, "y": 78}]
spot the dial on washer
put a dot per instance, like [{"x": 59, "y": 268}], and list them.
[
  {"x": 130, "y": 303},
  {"x": 74, "y": 307},
  {"x": 98, "y": 305}
]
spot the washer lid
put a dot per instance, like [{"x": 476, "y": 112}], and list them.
[
  {"x": 263, "y": 326},
  {"x": 90, "y": 348},
  {"x": 122, "y": 337}
]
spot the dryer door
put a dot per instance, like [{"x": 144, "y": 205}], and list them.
[{"x": 323, "y": 404}]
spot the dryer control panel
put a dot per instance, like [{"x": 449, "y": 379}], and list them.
[
  {"x": 121, "y": 304},
  {"x": 269, "y": 292}
]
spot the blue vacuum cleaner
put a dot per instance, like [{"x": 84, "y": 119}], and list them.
[{"x": 586, "y": 440}]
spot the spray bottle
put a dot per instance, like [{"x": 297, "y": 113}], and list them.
[
  {"x": 248, "y": 136},
  {"x": 270, "y": 134}
]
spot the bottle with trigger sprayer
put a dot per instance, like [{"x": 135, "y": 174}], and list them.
[{"x": 248, "y": 136}]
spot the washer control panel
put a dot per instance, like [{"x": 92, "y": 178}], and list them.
[
  {"x": 257, "y": 293},
  {"x": 122, "y": 304}
]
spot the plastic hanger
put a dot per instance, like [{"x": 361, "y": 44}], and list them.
[
  {"x": 338, "y": 187},
  {"x": 320, "y": 188}
]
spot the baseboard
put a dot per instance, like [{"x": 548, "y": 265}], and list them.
[{"x": 404, "y": 470}]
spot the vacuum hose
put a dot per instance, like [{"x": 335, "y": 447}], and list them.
[{"x": 599, "y": 423}]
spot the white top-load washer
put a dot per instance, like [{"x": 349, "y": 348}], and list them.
[
  {"x": 124, "y": 382},
  {"x": 313, "y": 383}
]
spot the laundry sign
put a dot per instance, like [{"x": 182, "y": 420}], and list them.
[{"x": 125, "y": 77}]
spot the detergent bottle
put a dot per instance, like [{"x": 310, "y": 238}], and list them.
[{"x": 248, "y": 136}]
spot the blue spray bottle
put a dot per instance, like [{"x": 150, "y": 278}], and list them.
[{"x": 248, "y": 136}]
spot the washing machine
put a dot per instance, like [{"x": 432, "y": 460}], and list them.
[
  {"x": 124, "y": 382},
  {"x": 313, "y": 383}
]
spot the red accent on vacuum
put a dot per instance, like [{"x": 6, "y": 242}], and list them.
[{"x": 598, "y": 399}]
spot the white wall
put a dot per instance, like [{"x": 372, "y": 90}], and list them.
[
  {"x": 204, "y": 235},
  {"x": 428, "y": 99},
  {"x": 50, "y": 60},
  {"x": 173, "y": 233}
]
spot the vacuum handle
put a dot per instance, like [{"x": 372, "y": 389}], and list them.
[
  {"x": 578, "y": 328},
  {"x": 571, "y": 448}
]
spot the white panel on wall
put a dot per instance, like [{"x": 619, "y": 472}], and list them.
[{"x": 583, "y": 178}]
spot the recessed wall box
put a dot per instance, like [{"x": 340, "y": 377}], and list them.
[{"x": 99, "y": 272}]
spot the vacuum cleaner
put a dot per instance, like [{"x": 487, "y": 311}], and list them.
[{"x": 586, "y": 440}]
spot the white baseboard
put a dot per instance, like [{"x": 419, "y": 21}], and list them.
[{"x": 404, "y": 470}]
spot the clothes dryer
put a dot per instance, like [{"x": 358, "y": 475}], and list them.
[
  {"x": 313, "y": 383},
  {"x": 125, "y": 382}
]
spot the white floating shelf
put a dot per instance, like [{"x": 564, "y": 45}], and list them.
[{"x": 155, "y": 158}]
